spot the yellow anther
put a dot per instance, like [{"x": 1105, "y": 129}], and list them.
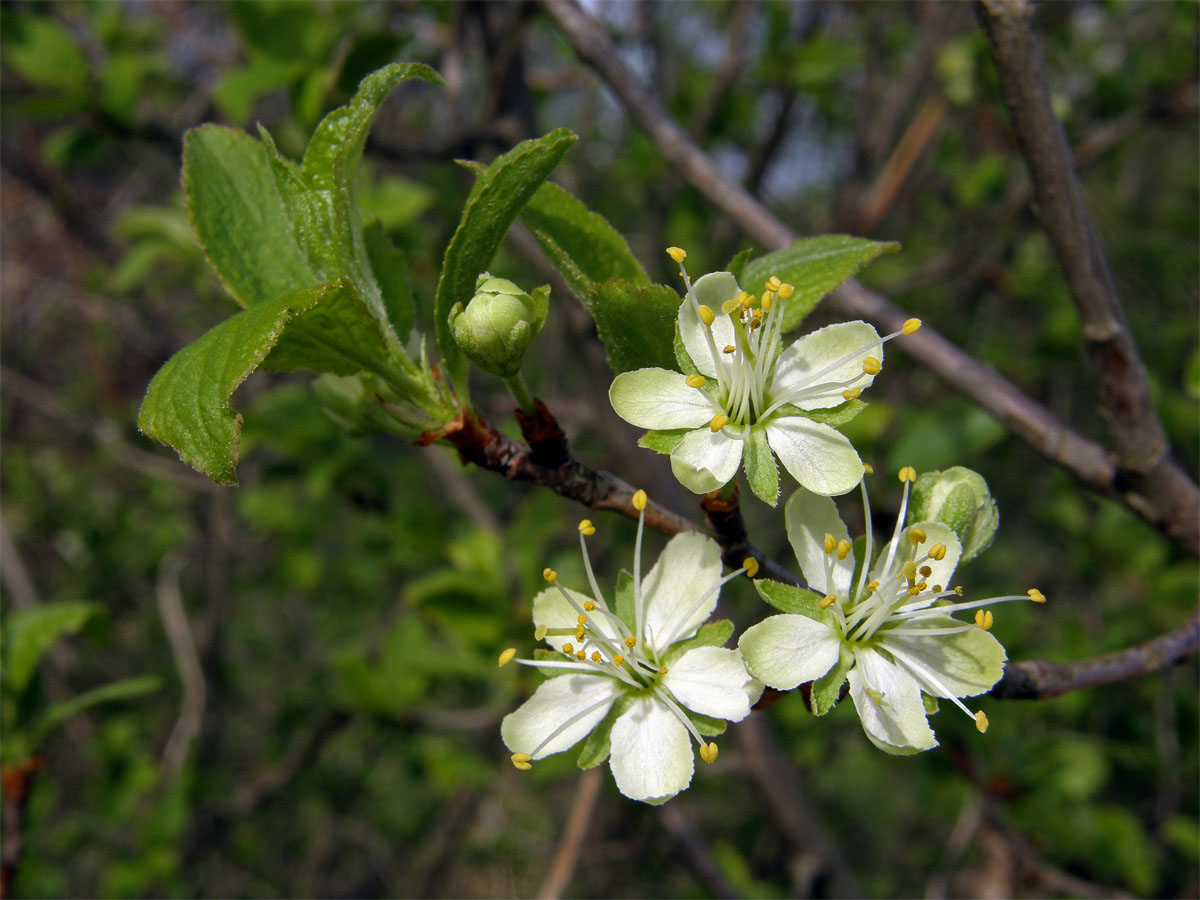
[
  {"x": 938, "y": 552},
  {"x": 908, "y": 473},
  {"x": 662, "y": 670},
  {"x": 916, "y": 535},
  {"x": 913, "y": 591},
  {"x": 981, "y": 722},
  {"x": 596, "y": 657},
  {"x": 868, "y": 468},
  {"x": 728, "y": 348},
  {"x": 774, "y": 283},
  {"x": 852, "y": 393},
  {"x": 746, "y": 299},
  {"x": 786, "y": 290},
  {"x": 589, "y": 605},
  {"x": 618, "y": 660},
  {"x": 827, "y": 601},
  {"x": 708, "y": 752},
  {"x": 873, "y": 586},
  {"x": 677, "y": 254},
  {"x": 926, "y": 571},
  {"x": 696, "y": 381},
  {"x": 756, "y": 316},
  {"x": 586, "y": 528},
  {"x": 581, "y": 619},
  {"x": 921, "y": 585},
  {"x": 830, "y": 543},
  {"x": 984, "y": 618},
  {"x": 507, "y": 655},
  {"x": 958, "y": 589},
  {"x": 768, "y": 300},
  {"x": 843, "y": 548},
  {"x": 872, "y": 366},
  {"x": 730, "y": 305},
  {"x": 750, "y": 564},
  {"x": 719, "y": 421},
  {"x": 631, "y": 642},
  {"x": 580, "y": 633},
  {"x": 550, "y": 575},
  {"x": 909, "y": 570},
  {"x": 639, "y": 500},
  {"x": 707, "y": 316},
  {"x": 581, "y": 656},
  {"x": 937, "y": 588},
  {"x": 568, "y": 649},
  {"x": 910, "y": 326},
  {"x": 521, "y": 761},
  {"x": 1036, "y": 596},
  {"x": 539, "y": 633}
]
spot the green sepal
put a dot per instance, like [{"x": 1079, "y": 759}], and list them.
[
  {"x": 598, "y": 744},
  {"x": 624, "y": 606},
  {"x": 826, "y": 690},
  {"x": 789, "y": 599},
  {"x": 834, "y": 416},
  {"x": 706, "y": 725},
  {"x": 762, "y": 472},
  {"x": 711, "y": 634},
  {"x": 737, "y": 265},
  {"x": 636, "y": 324},
  {"x": 815, "y": 266},
  {"x": 554, "y": 656},
  {"x": 931, "y": 703},
  {"x": 663, "y": 441},
  {"x": 682, "y": 360}
]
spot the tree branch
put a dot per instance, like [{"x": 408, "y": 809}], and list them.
[
  {"x": 1143, "y": 456},
  {"x": 1087, "y": 460}
]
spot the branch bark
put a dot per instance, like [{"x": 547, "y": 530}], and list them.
[{"x": 1144, "y": 462}]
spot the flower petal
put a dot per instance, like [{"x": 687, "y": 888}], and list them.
[
  {"x": 941, "y": 571},
  {"x": 809, "y": 518},
  {"x": 713, "y": 681},
  {"x": 703, "y": 461},
  {"x": 965, "y": 664},
  {"x": 689, "y": 566},
  {"x": 788, "y": 650},
  {"x": 553, "y": 704},
  {"x": 888, "y": 701},
  {"x": 691, "y": 331},
  {"x": 799, "y": 363},
  {"x": 550, "y": 608},
  {"x": 658, "y": 398},
  {"x": 651, "y": 756},
  {"x": 817, "y": 456}
]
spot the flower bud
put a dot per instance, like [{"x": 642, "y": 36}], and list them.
[
  {"x": 496, "y": 327},
  {"x": 959, "y": 498}
]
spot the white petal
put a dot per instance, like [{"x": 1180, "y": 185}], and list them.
[
  {"x": 689, "y": 566},
  {"x": 657, "y": 398},
  {"x": 817, "y": 456},
  {"x": 703, "y": 461},
  {"x": 788, "y": 650},
  {"x": 964, "y": 664},
  {"x": 800, "y": 362},
  {"x": 809, "y": 518},
  {"x": 556, "y": 701},
  {"x": 550, "y": 608},
  {"x": 692, "y": 330},
  {"x": 651, "y": 756},
  {"x": 712, "y": 681},
  {"x": 942, "y": 571},
  {"x": 889, "y": 704}
]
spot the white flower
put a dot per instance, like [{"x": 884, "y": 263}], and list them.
[
  {"x": 640, "y": 676},
  {"x": 748, "y": 397},
  {"x": 890, "y": 632}
]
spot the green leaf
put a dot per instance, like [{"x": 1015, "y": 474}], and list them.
[
  {"x": 387, "y": 264},
  {"x": 238, "y": 216},
  {"x": 599, "y": 743},
  {"x": 44, "y": 52},
  {"x": 663, "y": 441},
  {"x": 496, "y": 198},
  {"x": 789, "y": 599},
  {"x": 825, "y": 690},
  {"x": 682, "y": 361},
  {"x": 30, "y": 632},
  {"x": 636, "y": 324},
  {"x": 581, "y": 243},
  {"x": 761, "y": 469},
  {"x": 706, "y": 725},
  {"x": 815, "y": 266},
  {"x": 187, "y": 403},
  {"x": 837, "y": 415},
  {"x": 711, "y": 634},
  {"x": 737, "y": 265},
  {"x": 108, "y": 693}
]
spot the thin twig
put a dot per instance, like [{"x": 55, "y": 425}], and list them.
[
  {"x": 187, "y": 661},
  {"x": 900, "y": 164},
  {"x": 1143, "y": 455},
  {"x": 562, "y": 867},
  {"x": 679, "y": 825}
]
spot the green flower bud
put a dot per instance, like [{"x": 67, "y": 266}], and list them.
[
  {"x": 496, "y": 327},
  {"x": 959, "y": 498}
]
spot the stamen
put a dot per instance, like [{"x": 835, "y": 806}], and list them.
[
  {"x": 707, "y": 316},
  {"x": 868, "y": 468},
  {"x": 981, "y": 721},
  {"x": 582, "y": 619},
  {"x": 843, "y": 548},
  {"x": 507, "y": 655},
  {"x": 589, "y": 605},
  {"x": 618, "y": 660},
  {"x": 730, "y": 305},
  {"x": 910, "y": 326},
  {"x": 729, "y": 348},
  {"x": 719, "y": 421},
  {"x": 872, "y": 366},
  {"x": 586, "y": 528},
  {"x": 907, "y": 474},
  {"x": 677, "y": 254},
  {"x": 1036, "y": 596},
  {"x": 568, "y": 649},
  {"x": 827, "y": 601},
  {"x": 830, "y": 543},
  {"x": 708, "y": 752},
  {"x": 596, "y": 657},
  {"x": 550, "y": 575},
  {"x": 522, "y": 761},
  {"x": 938, "y": 552},
  {"x": 696, "y": 381},
  {"x": 925, "y": 571},
  {"x": 984, "y": 619},
  {"x": 631, "y": 642},
  {"x": 852, "y": 393},
  {"x": 916, "y": 535},
  {"x": 539, "y": 633},
  {"x": 750, "y": 565},
  {"x": 786, "y": 290},
  {"x": 774, "y": 283}
]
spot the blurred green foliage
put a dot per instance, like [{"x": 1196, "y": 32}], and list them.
[{"x": 348, "y": 601}]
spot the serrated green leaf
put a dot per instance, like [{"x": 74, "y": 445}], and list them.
[
  {"x": 711, "y": 634},
  {"x": 338, "y": 335},
  {"x": 825, "y": 690},
  {"x": 761, "y": 469},
  {"x": 662, "y": 441},
  {"x": 815, "y": 266},
  {"x": 29, "y": 633},
  {"x": 580, "y": 243},
  {"x": 706, "y": 725},
  {"x": 127, "y": 689},
  {"x": 599, "y": 743},
  {"x": 238, "y": 216},
  {"x": 737, "y": 265},
  {"x": 636, "y": 324},
  {"x": 495, "y": 200},
  {"x": 388, "y": 266},
  {"x": 789, "y": 599}
]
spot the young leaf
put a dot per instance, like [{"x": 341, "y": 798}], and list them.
[
  {"x": 815, "y": 266},
  {"x": 737, "y": 265},
  {"x": 826, "y": 689},
  {"x": 636, "y": 324},
  {"x": 662, "y": 441},
  {"x": 498, "y": 195},
  {"x": 761, "y": 469},
  {"x": 387, "y": 263},
  {"x": 29, "y": 633},
  {"x": 238, "y": 216}
]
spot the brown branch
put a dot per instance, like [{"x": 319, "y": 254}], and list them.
[
  {"x": 583, "y": 804},
  {"x": 681, "y": 827},
  {"x": 1036, "y": 679},
  {"x": 724, "y": 515},
  {"x": 900, "y": 164},
  {"x": 1085, "y": 459},
  {"x": 1143, "y": 455}
]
